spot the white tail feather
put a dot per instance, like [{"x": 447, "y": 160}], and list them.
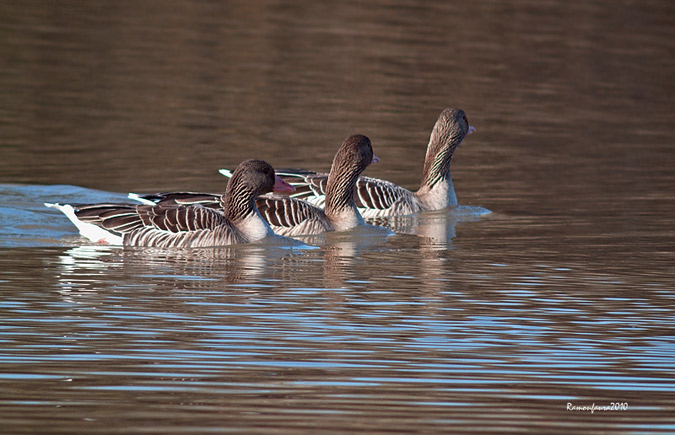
[{"x": 90, "y": 231}]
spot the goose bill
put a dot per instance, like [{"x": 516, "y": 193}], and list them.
[{"x": 282, "y": 186}]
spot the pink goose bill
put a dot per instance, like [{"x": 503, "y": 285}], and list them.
[{"x": 282, "y": 186}]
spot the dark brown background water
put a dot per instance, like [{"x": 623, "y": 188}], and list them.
[{"x": 563, "y": 294}]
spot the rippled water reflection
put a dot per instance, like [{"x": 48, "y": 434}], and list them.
[
  {"x": 550, "y": 287},
  {"x": 476, "y": 335},
  {"x": 311, "y": 333}
]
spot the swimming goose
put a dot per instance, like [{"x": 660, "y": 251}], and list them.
[
  {"x": 176, "y": 225},
  {"x": 295, "y": 217},
  {"x": 380, "y": 198}
]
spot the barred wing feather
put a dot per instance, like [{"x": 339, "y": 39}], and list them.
[
  {"x": 180, "y": 218},
  {"x": 210, "y": 200},
  {"x": 291, "y": 217},
  {"x": 307, "y": 184},
  {"x": 117, "y": 218},
  {"x": 182, "y": 226}
]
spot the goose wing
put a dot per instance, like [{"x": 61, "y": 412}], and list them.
[
  {"x": 117, "y": 218},
  {"x": 308, "y": 184},
  {"x": 182, "y": 226},
  {"x": 377, "y": 194},
  {"x": 124, "y": 218},
  {"x": 180, "y": 218},
  {"x": 209, "y": 200},
  {"x": 291, "y": 216},
  {"x": 287, "y": 212}
]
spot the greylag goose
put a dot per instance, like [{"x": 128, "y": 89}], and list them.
[
  {"x": 295, "y": 217},
  {"x": 176, "y": 225},
  {"x": 379, "y": 198}
]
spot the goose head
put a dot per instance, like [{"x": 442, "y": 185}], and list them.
[
  {"x": 353, "y": 157},
  {"x": 256, "y": 177},
  {"x": 252, "y": 178},
  {"x": 449, "y": 131}
]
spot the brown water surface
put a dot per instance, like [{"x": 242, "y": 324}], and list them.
[{"x": 561, "y": 297}]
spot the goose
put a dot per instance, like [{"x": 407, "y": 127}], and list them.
[
  {"x": 378, "y": 198},
  {"x": 184, "y": 226},
  {"x": 293, "y": 217}
]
